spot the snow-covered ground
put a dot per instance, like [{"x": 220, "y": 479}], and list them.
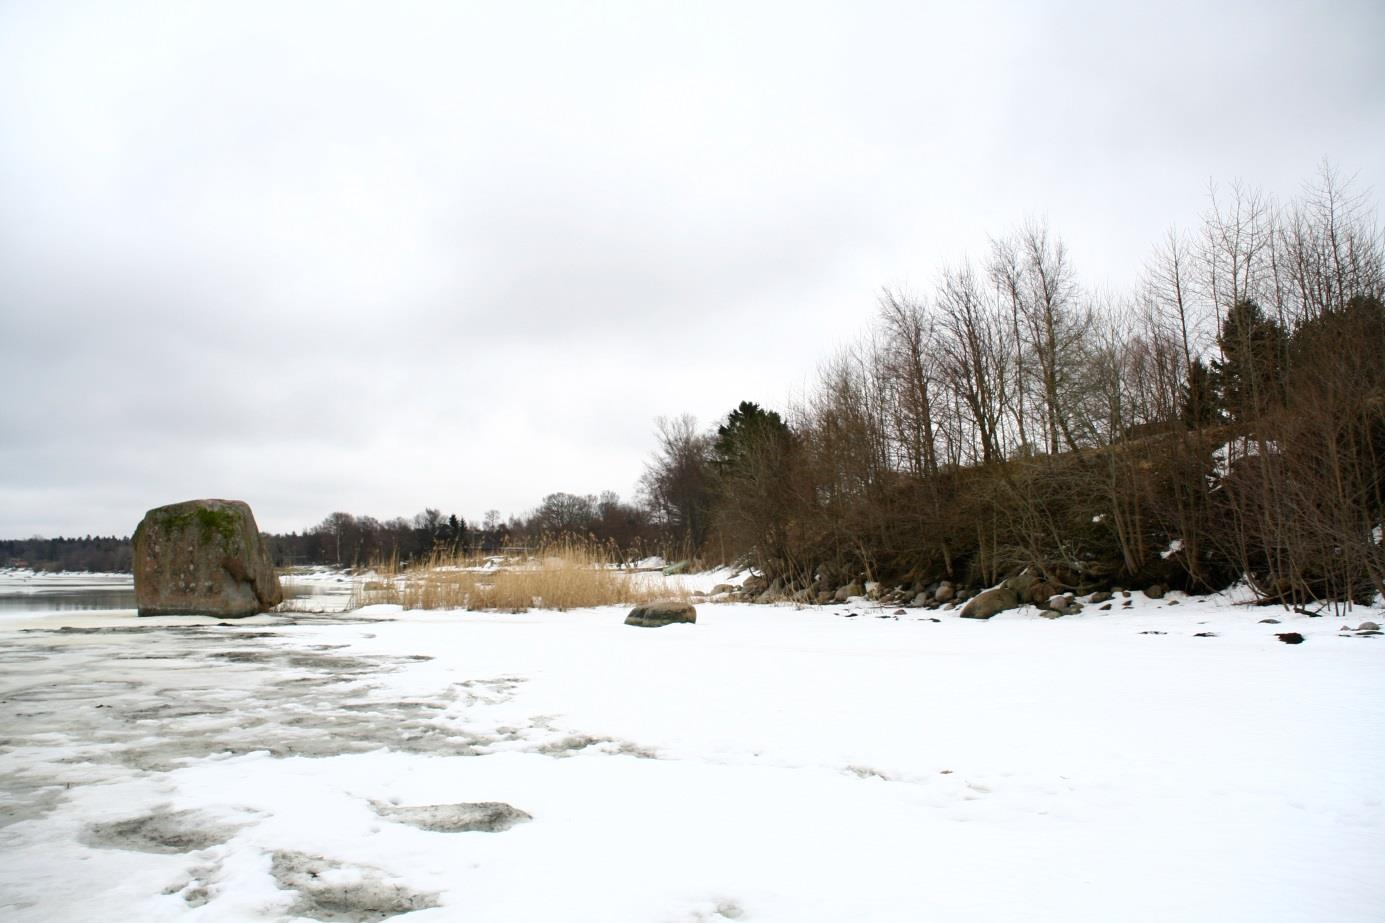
[{"x": 767, "y": 763}]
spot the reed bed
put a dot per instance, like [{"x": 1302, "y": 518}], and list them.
[{"x": 567, "y": 574}]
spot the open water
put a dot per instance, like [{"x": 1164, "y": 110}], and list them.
[{"x": 24, "y": 593}]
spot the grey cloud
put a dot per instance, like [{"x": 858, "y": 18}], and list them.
[{"x": 337, "y": 256}]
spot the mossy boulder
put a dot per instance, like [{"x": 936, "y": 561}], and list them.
[
  {"x": 203, "y": 557},
  {"x": 659, "y": 614}
]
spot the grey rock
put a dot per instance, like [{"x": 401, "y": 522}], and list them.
[
  {"x": 1368, "y": 626},
  {"x": 203, "y": 557},
  {"x": 990, "y": 602},
  {"x": 754, "y": 585},
  {"x": 1155, "y": 591},
  {"x": 849, "y": 590},
  {"x": 1100, "y": 596},
  {"x": 1022, "y": 583},
  {"x": 663, "y": 612},
  {"x": 944, "y": 592}
]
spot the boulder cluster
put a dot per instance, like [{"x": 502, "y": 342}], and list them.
[{"x": 1025, "y": 588}]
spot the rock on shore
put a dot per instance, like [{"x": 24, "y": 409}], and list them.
[{"x": 203, "y": 557}]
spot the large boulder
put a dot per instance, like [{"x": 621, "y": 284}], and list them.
[
  {"x": 848, "y": 591},
  {"x": 664, "y": 612},
  {"x": 203, "y": 557},
  {"x": 990, "y": 602},
  {"x": 754, "y": 585},
  {"x": 1022, "y": 583}
]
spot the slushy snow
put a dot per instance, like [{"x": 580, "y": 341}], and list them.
[{"x": 766, "y": 764}]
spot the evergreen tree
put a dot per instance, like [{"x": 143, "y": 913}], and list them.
[
  {"x": 752, "y": 457},
  {"x": 1199, "y": 402},
  {"x": 749, "y": 432},
  {"x": 1248, "y": 379},
  {"x": 456, "y": 532}
]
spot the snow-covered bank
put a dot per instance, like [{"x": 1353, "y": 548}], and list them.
[{"x": 764, "y": 764}]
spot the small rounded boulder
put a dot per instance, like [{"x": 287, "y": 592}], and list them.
[{"x": 664, "y": 612}]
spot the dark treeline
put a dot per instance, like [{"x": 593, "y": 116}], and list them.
[
  {"x": 346, "y": 540},
  {"x": 95, "y": 554},
  {"x": 627, "y": 530},
  {"x": 1224, "y": 421}
]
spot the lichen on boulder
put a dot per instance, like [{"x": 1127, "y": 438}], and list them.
[{"x": 203, "y": 557}]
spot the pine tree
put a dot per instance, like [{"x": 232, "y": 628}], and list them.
[
  {"x": 1248, "y": 379},
  {"x": 1199, "y": 402}
]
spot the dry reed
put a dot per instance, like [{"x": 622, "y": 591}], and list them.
[{"x": 564, "y": 574}]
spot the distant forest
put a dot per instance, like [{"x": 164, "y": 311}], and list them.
[
  {"x": 95, "y": 553},
  {"x": 345, "y": 540}
]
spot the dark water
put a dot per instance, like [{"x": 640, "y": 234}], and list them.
[
  {"x": 73, "y": 593},
  {"x": 65, "y": 600}
]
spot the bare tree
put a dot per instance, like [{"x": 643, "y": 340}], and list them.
[
  {"x": 911, "y": 378},
  {"x": 976, "y": 358},
  {"x": 676, "y": 483}
]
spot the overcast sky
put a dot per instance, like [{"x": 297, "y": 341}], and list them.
[{"x": 385, "y": 256}]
